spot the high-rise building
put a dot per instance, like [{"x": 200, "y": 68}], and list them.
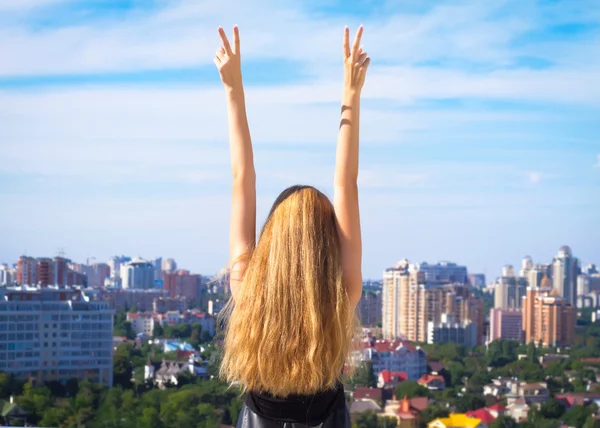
[
  {"x": 509, "y": 292},
  {"x": 505, "y": 324},
  {"x": 27, "y": 271},
  {"x": 477, "y": 279},
  {"x": 565, "y": 269},
  {"x": 583, "y": 284},
  {"x": 526, "y": 266},
  {"x": 99, "y": 273},
  {"x": 157, "y": 264},
  {"x": 537, "y": 273},
  {"x": 8, "y": 276},
  {"x": 169, "y": 265},
  {"x": 410, "y": 302},
  {"x": 183, "y": 284},
  {"x": 115, "y": 263},
  {"x": 508, "y": 271},
  {"x": 55, "y": 334},
  {"x": 45, "y": 273},
  {"x": 548, "y": 319},
  {"x": 60, "y": 271},
  {"x": 390, "y": 299},
  {"x": 442, "y": 272},
  {"x": 137, "y": 274},
  {"x": 591, "y": 269},
  {"x": 369, "y": 307}
]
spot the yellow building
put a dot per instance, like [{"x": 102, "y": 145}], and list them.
[{"x": 456, "y": 420}]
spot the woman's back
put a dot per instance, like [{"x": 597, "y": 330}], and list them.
[{"x": 291, "y": 320}]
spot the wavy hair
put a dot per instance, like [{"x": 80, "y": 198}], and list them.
[{"x": 291, "y": 327}]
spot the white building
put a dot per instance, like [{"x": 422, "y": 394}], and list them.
[
  {"x": 449, "y": 331},
  {"x": 565, "y": 269},
  {"x": 396, "y": 356},
  {"x": 56, "y": 334},
  {"x": 7, "y": 275},
  {"x": 446, "y": 272},
  {"x": 137, "y": 274},
  {"x": 141, "y": 322}
]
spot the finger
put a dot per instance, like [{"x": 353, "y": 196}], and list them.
[
  {"x": 361, "y": 58},
  {"x": 221, "y": 51},
  {"x": 346, "y": 42},
  {"x": 225, "y": 41},
  {"x": 365, "y": 65},
  {"x": 360, "y": 51},
  {"x": 357, "y": 41},
  {"x": 236, "y": 39},
  {"x": 217, "y": 61}
]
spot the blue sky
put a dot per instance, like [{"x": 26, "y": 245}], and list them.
[{"x": 480, "y": 135}]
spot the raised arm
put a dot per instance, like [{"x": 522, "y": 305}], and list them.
[
  {"x": 345, "y": 198},
  {"x": 242, "y": 227}
]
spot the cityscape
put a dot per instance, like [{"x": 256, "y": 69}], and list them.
[{"x": 148, "y": 325}]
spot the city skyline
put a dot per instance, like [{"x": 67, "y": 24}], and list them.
[
  {"x": 479, "y": 133},
  {"x": 490, "y": 279}
]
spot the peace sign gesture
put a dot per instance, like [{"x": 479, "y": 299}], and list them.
[
  {"x": 356, "y": 62},
  {"x": 228, "y": 61}
]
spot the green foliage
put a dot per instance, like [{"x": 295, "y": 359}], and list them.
[
  {"x": 577, "y": 416},
  {"x": 433, "y": 412},
  {"x": 364, "y": 375},
  {"x": 157, "y": 330},
  {"x": 552, "y": 409},
  {"x": 411, "y": 389},
  {"x": 468, "y": 402},
  {"x": 503, "y": 422}
]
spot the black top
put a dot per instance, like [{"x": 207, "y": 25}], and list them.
[{"x": 306, "y": 409}]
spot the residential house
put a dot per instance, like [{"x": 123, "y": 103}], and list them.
[
  {"x": 364, "y": 405},
  {"x": 499, "y": 387},
  {"x": 533, "y": 393},
  {"x": 388, "y": 379},
  {"x": 394, "y": 356},
  {"x": 432, "y": 382},
  {"x": 457, "y": 420},
  {"x": 483, "y": 414},
  {"x": 406, "y": 411},
  {"x": 518, "y": 409}
]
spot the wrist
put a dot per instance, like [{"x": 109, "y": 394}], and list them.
[
  {"x": 234, "y": 90},
  {"x": 350, "y": 96}
]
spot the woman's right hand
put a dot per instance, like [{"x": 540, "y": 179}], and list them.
[
  {"x": 356, "y": 63},
  {"x": 228, "y": 60}
]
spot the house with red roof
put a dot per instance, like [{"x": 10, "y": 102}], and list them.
[
  {"x": 482, "y": 414},
  {"x": 432, "y": 382},
  {"x": 393, "y": 356},
  {"x": 406, "y": 411},
  {"x": 496, "y": 410},
  {"x": 388, "y": 379}
]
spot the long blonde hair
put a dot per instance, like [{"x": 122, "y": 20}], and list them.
[{"x": 291, "y": 327}]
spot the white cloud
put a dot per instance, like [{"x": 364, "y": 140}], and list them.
[{"x": 534, "y": 177}]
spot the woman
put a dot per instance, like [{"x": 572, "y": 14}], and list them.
[{"x": 295, "y": 291}]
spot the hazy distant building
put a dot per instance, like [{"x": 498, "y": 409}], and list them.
[
  {"x": 505, "y": 324},
  {"x": 370, "y": 307},
  {"x": 565, "y": 269},
  {"x": 183, "y": 284},
  {"x": 27, "y": 271},
  {"x": 99, "y": 273},
  {"x": 157, "y": 264},
  {"x": 137, "y": 274},
  {"x": 115, "y": 264},
  {"x": 390, "y": 298},
  {"x": 526, "y": 266},
  {"x": 548, "y": 319},
  {"x": 442, "y": 272},
  {"x": 169, "y": 265},
  {"x": 508, "y": 271},
  {"x": 477, "y": 279},
  {"x": 537, "y": 273},
  {"x": 8, "y": 275},
  {"x": 509, "y": 292}
]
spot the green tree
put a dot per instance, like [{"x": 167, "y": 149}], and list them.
[
  {"x": 150, "y": 418},
  {"x": 364, "y": 375},
  {"x": 469, "y": 402},
  {"x": 578, "y": 415},
  {"x": 411, "y": 389},
  {"x": 157, "y": 330},
  {"x": 503, "y": 422},
  {"x": 431, "y": 413},
  {"x": 552, "y": 409},
  {"x": 366, "y": 420}
]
